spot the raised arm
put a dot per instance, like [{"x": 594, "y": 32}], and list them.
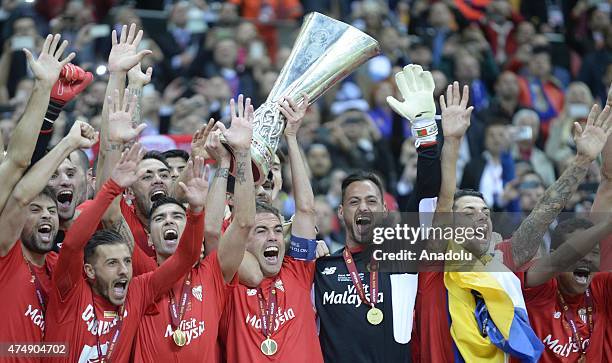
[
  {"x": 46, "y": 70},
  {"x": 190, "y": 245},
  {"x": 233, "y": 242},
  {"x": 120, "y": 127},
  {"x": 589, "y": 143},
  {"x": 570, "y": 252},
  {"x": 69, "y": 268},
  {"x": 72, "y": 81},
  {"x": 603, "y": 198},
  {"x": 455, "y": 122},
  {"x": 215, "y": 201},
  {"x": 123, "y": 57},
  {"x": 303, "y": 225},
  {"x": 34, "y": 181}
]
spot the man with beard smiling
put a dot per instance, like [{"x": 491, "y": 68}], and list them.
[
  {"x": 185, "y": 324},
  {"x": 94, "y": 304},
  {"x": 29, "y": 223},
  {"x": 433, "y": 321},
  {"x": 365, "y": 315}
]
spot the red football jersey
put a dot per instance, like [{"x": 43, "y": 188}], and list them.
[
  {"x": 206, "y": 300},
  {"x": 138, "y": 229},
  {"x": 548, "y": 321},
  {"x": 432, "y": 325},
  {"x": 295, "y": 329},
  {"x": 23, "y": 319}
]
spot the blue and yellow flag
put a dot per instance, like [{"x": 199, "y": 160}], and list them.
[{"x": 488, "y": 317}]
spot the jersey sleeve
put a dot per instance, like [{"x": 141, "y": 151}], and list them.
[
  {"x": 222, "y": 289},
  {"x": 537, "y": 295},
  {"x": 69, "y": 267},
  {"x": 303, "y": 271},
  {"x": 141, "y": 262},
  {"x": 505, "y": 247}
]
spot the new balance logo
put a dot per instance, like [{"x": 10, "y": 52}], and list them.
[{"x": 329, "y": 270}]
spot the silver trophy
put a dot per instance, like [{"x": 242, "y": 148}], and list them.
[{"x": 325, "y": 52}]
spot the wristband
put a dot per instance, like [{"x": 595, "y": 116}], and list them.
[
  {"x": 53, "y": 110},
  {"x": 425, "y": 132},
  {"x": 302, "y": 249}
]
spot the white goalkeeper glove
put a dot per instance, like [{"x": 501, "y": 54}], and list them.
[{"x": 417, "y": 87}]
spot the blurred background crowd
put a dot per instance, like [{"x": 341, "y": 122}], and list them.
[{"x": 533, "y": 67}]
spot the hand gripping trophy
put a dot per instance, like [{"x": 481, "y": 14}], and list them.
[{"x": 325, "y": 52}]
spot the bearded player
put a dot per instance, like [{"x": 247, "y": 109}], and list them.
[
  {"x": 29, "y": 224},
  {"x": 185, "y": 323}
]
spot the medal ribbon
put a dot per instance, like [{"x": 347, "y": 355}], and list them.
[
  {"x": 267, "y": 315},
  {"x": 40, "y": 292},
  {"x": 350, "y": 265},
  {"x": 568, "y": 314},
  {"x": 178, "y": 317},
  {"x": 106, "y": 358}
]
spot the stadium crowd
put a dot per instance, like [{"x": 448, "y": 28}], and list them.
[{"x": 124, "y": 234}]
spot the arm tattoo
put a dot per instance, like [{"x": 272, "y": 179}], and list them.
[
  {"x": 240, "y": 170},
  {"x": 528, "y": 236},
  {"x": 120, "y": 226},
  {"x": 114, "y": 146},
  {"x": 241, "y": 165},
  {"x": 222, "y": 173},
  {"x": 137, "y": 116}
]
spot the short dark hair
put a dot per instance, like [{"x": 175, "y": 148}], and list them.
[
  {"x": 176, "y": 153},
  {"x": 101, "y": 238},
  {"x": 153, "y": 154},
  {"x": 264, "y": 207},
  {"x": 460, "y": 193},
  {"x": 559, "y": 235},
  {"x": 82, "y": 160},
  {"x": 540, "y": 49},
  {"x": 162, "y": 201},
  {"x": 362, "y": 176},
  {"x": 48, "y": 193}
]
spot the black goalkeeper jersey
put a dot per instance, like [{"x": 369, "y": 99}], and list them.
[{"x": 345, "y": 334}]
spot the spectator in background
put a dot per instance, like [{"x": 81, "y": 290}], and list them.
[
  {"x": 560, "y": 146},
  {"x": 527, "y": 150},
  {"x": 408, "y": 167},
  {"x": 441, "y": 26},
  {"x": 500, "y": 27},
  {"x": 381, "y": 113},
  {"x": 493, "y": 169},
  {"x": 595, "y": 66},
  {"x": 319, "y": 162},
  {"x": 506, "y": 101},
  {"x": 178, "y": 43},
  {"x": 540, "y": 91},
  {"x": 467, "y": 72},
  {"x": 326, "y": 220},
  {"x": 267, "y": 14},
  {"x": 224, "y": 65}
]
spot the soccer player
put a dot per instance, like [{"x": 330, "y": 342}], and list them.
[
  {"x": 567, "y": 309},
  {"x": 46, "y": 70},
  {"x": 121, "y": 125},
  {"x": 29, "y": 223},
  {"x": 185, "y": 323},
  {"x": 177, "y": 159},
  {"x": 432, "y": 317},
  {"x": 94, "y": 303},
  {"x": 274, "y": 321},
  {"x": 369, "y": 318}
]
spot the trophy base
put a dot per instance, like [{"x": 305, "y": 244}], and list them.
[{"x": 261, "y": 160}]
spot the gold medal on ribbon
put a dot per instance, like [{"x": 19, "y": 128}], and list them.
[
  {"x": 269, "y": 347},
  {"x": 375, "y": 316},
  {"x": 179, "y": 337}
]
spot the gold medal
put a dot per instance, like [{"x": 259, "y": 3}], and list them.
[
  {"x": 375, "y": 316},
  {"x": 179, "y": 337},
  {"x": 269, "y": 347}
]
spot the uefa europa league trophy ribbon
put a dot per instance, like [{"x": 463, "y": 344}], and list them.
[{"x": 325, "y": 52}]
